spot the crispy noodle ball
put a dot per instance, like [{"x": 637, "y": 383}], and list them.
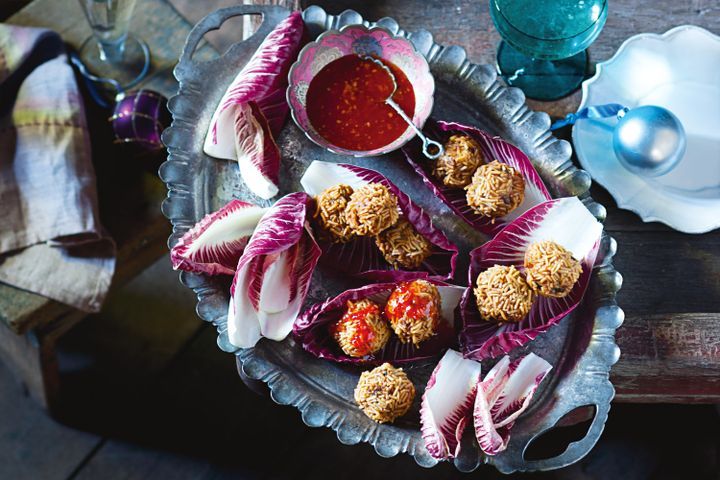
[
  {"x": 402, "y": 246},
  {"x": 372, "y": 208},
  {"x": 455, "y": 167},
  {"x": 330, "y": 213},
  {"x": 550, "y": 269},
  {"x": 413, "y": 310},
  {"x": 502, "y": 294},
  {"x": 362, "y": 330},
  {"x": 496, "y": 190},
  {"x": 384, "y": 393}
]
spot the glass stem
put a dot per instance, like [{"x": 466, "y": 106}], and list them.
[{"x": 112, "y": 52}]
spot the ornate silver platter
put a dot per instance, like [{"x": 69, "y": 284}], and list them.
[{"x": 581, "y": 347}]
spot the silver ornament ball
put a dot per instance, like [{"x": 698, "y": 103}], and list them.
[{"x": 649, "y": 140}]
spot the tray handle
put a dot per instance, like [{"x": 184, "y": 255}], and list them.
[
  {"x": 575, "y": 450},
  {"x": 271, "y": 16}
]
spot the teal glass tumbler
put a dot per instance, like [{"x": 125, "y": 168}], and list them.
[{"x": 543, "y": 51}]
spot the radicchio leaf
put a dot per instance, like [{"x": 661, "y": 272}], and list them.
[
  {"x": 312, "y": 328},
  {"x": 257, "y": 154},
  {"x": 493, "y": 148},
  {"x": 565, "y": 221},
  {"x": 447, "y": 403},
  {"x": 273, "y": 274},
  {"x": 360, "y": 256},
  {"x": 263, "y": 80},
  {"x": 214, "y": 245},
  {"x": 504, "y": 393}
]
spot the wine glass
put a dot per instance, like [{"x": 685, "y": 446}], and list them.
[
  {"x": 111, "y": 52},
  {"x": 544, "y": 43}
]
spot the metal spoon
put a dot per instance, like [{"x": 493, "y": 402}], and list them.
[
  {"x": 648, "y": 140},
  {"x": 437, "y": 148}
]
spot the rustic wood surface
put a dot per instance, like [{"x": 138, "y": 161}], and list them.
[
  {"x": 671, "y": 295},
  {"x": 161, "y": 401},
  {"x": 130, "y": 194}
]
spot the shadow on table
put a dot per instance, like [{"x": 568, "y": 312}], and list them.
[{"x": 149, "y": 377}]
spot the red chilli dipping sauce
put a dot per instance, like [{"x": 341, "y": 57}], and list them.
[{"x": 346, "y": 103}]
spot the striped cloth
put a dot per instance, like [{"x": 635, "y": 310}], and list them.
[{"x": 51, "y": 241}]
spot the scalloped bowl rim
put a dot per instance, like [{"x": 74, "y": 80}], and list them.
[{"x": 409, "y": 133}]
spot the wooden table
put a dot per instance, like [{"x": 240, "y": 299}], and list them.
[
  {"x": 129, "y": 190},
  {"x": 670, "y": 341}
]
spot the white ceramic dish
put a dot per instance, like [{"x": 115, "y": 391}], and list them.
[{"x": 678, "y": 70}]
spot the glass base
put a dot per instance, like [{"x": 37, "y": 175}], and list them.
[
  {"x": 541, "y": 79},
  {"x": 129, "y": 69}
]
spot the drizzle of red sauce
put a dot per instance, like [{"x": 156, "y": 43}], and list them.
[
  {"x": 346, "y": 103},
  {"x": 404, "y": 302},
  {"x": 364, "y": 337}
]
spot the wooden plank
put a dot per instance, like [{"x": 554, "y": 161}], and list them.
[
  {"x": 669, "y": 352},
  {"x": 201, "y": 409},
  {"x": 668, "y": 273},
  {"x": 183, "y": 418},
  {"x": 106, "y": 360},
  {"x": 32, "y": 445},
  {"x": 31, "y": 357},
  {"x": 20, "y": 310},
  {"x": 121, "y": 460},
  {"x": 669, "y": 359},
  {"x": 155, "y": 21},
  {"x": 130, "y": 192}
]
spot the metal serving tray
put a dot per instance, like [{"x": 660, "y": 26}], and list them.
[{"x": 581, "y": 347}]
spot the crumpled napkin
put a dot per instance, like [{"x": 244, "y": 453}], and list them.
[{"x": 51, "y": 240}]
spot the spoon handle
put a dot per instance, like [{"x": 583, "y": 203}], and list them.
[
  {"x": 596, "y": 111},
  {"x": 428, "y": 145},
  {"x": 437, "y": 147}
]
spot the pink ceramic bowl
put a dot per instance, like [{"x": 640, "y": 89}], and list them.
[{"x": 360, "y": 40}]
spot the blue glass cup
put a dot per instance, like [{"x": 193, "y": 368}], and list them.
[{"x": 543, "y": 51}]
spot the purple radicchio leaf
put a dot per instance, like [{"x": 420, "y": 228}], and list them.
[
  {"x": 262, "y": 80},
  {"x": 360, "y": 256},
  {"x": 312, "y": 328},
  {"x": 273, "y": 274},
  {"x": 214, "y": 245},
  {"x": 493, "y": 148},
  {"x": 504, "y": 394},
  {"x": 447, "y": 404},
  {"x": 257, "y": 154},
  {"x": 565, "y": 221}
]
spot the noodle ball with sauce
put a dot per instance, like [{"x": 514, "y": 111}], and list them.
[
  {"x": 361, "y": 330},
  {"x": 413, "y": 310}
]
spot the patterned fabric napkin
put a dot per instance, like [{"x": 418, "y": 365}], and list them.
[{"x": 51, "y": 241}]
